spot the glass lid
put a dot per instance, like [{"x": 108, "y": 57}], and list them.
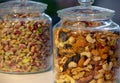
[
  {"x": 86, "y": 12},
  {"x": 22, "y": 6}
]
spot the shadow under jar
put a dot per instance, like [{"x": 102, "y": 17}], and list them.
[
  {"x": 24, "y": 37},
  {"x": 86, "y": 45}
]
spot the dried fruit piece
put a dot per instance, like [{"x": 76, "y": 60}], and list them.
[
  {"x": 76, "y": 58},
  {"x": 106, "y": 49},
  {"x": 66, "y": 64},
  {"x": 81, "y": 61},
  {"x": 81, "y": 41},
  {"x": 104, "y": 56},
  {"x": 95, "y": 52},
  {"x": 63, "y": 36},
  {"x": 67, "y": 46}
]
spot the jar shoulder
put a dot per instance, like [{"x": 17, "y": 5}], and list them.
[
  {"x": 46, "y": 17},
  {"x": 94, "y": 25}
]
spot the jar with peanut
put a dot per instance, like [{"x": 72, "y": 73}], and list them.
[{"x": 86, "y": 45}]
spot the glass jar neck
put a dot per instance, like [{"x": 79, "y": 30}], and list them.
[
  {"x": 21, "y": 15},
  {"x": 96, "y": 24},
  {"x": 78, "y": 19}
]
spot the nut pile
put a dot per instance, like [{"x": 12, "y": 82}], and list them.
[
  {"x": 24, "y": 45},
  {"x": 83, "y": 56}
]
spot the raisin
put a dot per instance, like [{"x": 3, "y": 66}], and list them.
[
  {"x": 66, "y": 64},
  {"x": 67, "y": 46},
  {"x": 108, "y": 59},
  {"x": 76, "y": 58},
  {"x": 57, "y": 52},
  {"x": 63, "y": 36}
]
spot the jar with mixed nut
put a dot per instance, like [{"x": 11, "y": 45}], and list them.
[
  {"x": 86, "y": 45},
  {"x": 24, "y": 37}
]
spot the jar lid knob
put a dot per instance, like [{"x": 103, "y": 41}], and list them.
[
  {"x": 23, "y": 0},
  {"x": 86, "y": 3}
]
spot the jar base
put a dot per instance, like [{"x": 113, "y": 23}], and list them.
[{"x": 24, "y": 73}]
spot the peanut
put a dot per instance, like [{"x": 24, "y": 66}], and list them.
[
  {"x": 88, "y": 54},
  {"x": 89, "y": 66},
  {"x": 98, "y": 76},
  {"x": 101, "y": 80},
  {"x": 87, "y": 62},
  {"x": 110, "y": 65},
  {"x": 108, "y": 76},
  {"x": 110, "y": 82},
  {"x": 97, "y": 58},
  {"x": 71, "y": 40},
  {"x": 101, "y": 71},
  {"x": 90, "y": 39},
  {"x": 87, "y": 49},
  {"x": 105, "y": 66},
  {"x": 93, "y": 81},
  {"x": 70, "y": 78},
  {"x": 72, "y": 64}
]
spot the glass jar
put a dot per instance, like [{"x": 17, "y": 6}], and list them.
[
  {"x": 24, "y": 37},
  {"x": 86, "y": 45}
]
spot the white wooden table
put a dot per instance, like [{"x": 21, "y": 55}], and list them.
[{"x": 46, "y": 77}]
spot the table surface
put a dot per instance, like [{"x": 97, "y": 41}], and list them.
[{"x": 46, "y": 77}]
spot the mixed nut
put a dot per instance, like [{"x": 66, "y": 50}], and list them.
[
  {"x": 84, "y": 56},
  {"x": 24, "y": 45}
]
